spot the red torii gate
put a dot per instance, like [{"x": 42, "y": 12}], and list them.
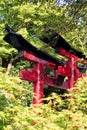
[
  {"x": 40, "y": 78},
  {"x": 37, "y": 74}
]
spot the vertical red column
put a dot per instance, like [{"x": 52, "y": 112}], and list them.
[
  {"x": 71, "y": 77},
  {"x": 38, "y": 85}
]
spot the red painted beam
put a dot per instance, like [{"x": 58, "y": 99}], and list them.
[
  {"x": 28, "y": 75},
  {"x": 30, "y": 57},
  {"x": 52, "y": 82},
  {"x": 67, "y": 54},
  {"x": 32, "y": 77}
]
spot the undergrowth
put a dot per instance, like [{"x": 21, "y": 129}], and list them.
[{"x": 66, "y": 111}]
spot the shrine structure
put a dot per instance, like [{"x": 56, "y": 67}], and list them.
[{"x": 65, "y": 73}]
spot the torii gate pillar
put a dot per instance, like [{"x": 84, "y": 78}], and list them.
[{"x": 39, "y": 84}]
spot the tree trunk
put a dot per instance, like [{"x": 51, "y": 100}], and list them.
[
  {"x": 10, "y": 65},
  {"x": 0, "y": 62}
]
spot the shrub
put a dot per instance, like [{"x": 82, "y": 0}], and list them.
[{"x": 59, "y": 113}]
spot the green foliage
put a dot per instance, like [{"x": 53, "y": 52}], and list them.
[
  {"x": 13, "y": 97},
  {"x": 32, "y": 19},
  {"x": 38, "y": 16},
  {"x": 63, "y": 111}
]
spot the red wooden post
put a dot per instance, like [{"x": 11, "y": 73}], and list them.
[
  {"x": 68, "y": 70},
  {"x": 39, "y": 84},
  {"x": 71, "y": 77}
]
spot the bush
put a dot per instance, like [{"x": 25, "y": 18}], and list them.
[{"x": 59, "y": 113}]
